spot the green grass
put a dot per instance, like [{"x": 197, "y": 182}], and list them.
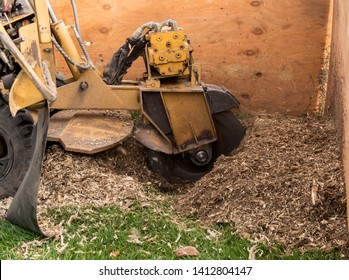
[
  {"x": 141, "y": 232},
  {"x": 11, "y": 238},
  {"x": 135, "y": 115}
]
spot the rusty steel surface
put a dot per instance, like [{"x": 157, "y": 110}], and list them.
[
  {"x": 190, "y": 119},
  {"x": 152, "y": 139},
  {"x": 89, "y": 131}
]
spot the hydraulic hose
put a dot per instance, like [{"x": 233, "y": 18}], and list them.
[
  {"x": 76, "y": 18},
  {"x": 151, "y": 25},
  {"x": 170, "y": 22},
  {"x": 82, "y": 67},
  {"x": 155, "y": 26},
  {"x": 77, "y": 33},
  {"x": 51, "y": 12}
]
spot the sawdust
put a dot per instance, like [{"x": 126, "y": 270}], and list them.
[
  {"x": 285, "y": 184},
  {"x": 109, "y": 178}
]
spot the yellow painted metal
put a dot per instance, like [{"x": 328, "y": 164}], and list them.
[
  {"x": 36, "y": 49},
  {"x": 182, "y": 103},
  {"x": 91, "y": 92},
  {"x": 47, "y": 53},
  {"x": 43, "y": 21},
  {"x": 44, "y": 32},
  {"x": 30, "y": 47},
  {"x": 23, "y": 92},
  {"x": 153, "y": 83},
  {"x": 89, "y": 131},
  {"x": 195, "y": 77},
  {"x": 62, "y": 35},
  {"x": 169, "y": 53},
  {"x": 190, "y": 119}
]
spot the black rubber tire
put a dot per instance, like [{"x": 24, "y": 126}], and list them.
[
  {"x": 180, "y": 169},
  {"x": 15, "y": 147}
]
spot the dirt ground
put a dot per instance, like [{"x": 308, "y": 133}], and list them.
[{"x": 284, "y": 183}]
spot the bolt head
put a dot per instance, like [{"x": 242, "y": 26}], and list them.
[
  {"x": 84, "y": 85},
  {"x": 201, "y": 156}
]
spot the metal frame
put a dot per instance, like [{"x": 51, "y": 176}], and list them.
[{"x": 191, "y": 127}]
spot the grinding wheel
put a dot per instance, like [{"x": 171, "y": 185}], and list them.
[{"x": 182, "y": 168}]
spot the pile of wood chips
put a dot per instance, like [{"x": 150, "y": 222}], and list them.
[{"x": 284, "y": 183}]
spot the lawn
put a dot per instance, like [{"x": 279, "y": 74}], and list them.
[{"x": 141, "y": 232}]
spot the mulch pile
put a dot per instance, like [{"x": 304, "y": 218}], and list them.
[{"x": 284, "y": 183}]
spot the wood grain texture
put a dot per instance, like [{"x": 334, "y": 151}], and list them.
[
  {"x": 338, "y": 99},
  {"x": 267, "y": 52}
]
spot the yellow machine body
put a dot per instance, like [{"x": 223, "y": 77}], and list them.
[
  {"x": 176, "y": 115},
  {"x": 169, "y": 53},
  {"x": 184, "y": 124}
]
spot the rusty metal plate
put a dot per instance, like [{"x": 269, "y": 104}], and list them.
[
  {"x": 151, "y": 138},
  {"x": 190, "y": 119},
  {"x": 89, "y": 131}
]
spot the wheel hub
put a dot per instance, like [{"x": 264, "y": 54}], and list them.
[{"x": 201, "y": 156}]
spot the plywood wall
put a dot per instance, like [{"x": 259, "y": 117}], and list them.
[
  {"x": 268, "y": 52},
  {"x": 338, "y": 93}
]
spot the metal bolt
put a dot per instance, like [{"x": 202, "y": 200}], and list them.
[
  {"x": 178, "y": 55},
  {"x": 201, "y": 156},
  {"x": 47, "y": 50},
  {"x": 161, "y": 58},
  {"x": 168, "y": 44},
  {"x": 175, "y": 36},
  {"x": 159, "y": 38},
  {"x": 83, "y": 86}
]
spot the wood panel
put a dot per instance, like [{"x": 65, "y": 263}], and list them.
[
  {"x": 338, "y": 99},
  {"x": 268, "y": 52}
]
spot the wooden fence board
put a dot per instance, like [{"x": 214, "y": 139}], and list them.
[
  {"x": 268, "y": 52},
  {"x": 338, "y": 93}
]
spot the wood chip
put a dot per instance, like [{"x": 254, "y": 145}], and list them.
[
  {"x": 284, "y": 182},
  {"x": 187, "y": 251},
  {"x": 114, "y": 253}
]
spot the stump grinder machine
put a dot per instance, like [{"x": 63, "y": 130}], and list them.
[{"x": 184, "y": 123}]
